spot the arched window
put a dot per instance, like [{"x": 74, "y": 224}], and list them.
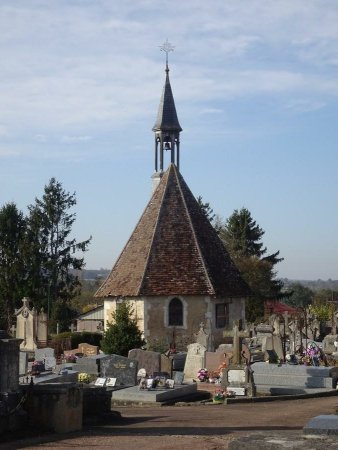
[{"x": 175, "y": 312}]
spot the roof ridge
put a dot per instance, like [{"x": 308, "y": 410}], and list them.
[
  {"x": 153, "y": 236},
  {"x": 194, "y": 233}
]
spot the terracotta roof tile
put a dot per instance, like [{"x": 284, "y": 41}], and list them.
[{"x": 173, "y": 250}]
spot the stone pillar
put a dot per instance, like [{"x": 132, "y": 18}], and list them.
[{"x": 9, "y": 363}]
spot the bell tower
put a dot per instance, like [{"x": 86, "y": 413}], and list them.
[{"x": 167, "y": 128}]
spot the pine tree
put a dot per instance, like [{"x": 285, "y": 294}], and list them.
[
  {"x": 51, "y": 254},
  {"x": 12, "y": 269},
  {"x": 242, "y": 238},
  {"x": 122, "y": 333}
]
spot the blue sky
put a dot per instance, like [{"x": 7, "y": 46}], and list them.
[{"x": 256, "y": 90}]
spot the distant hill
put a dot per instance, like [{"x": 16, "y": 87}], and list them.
[
  {"x": 94, "y": 274},
  {"x": 315, "y": 285}
]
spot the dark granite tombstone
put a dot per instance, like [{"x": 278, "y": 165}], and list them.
[
  {"x": 178, "y": 361},
  {"x": 150, "y": 361},
  {"x": 91, "y": 364},
  {"x": 121, "y": 368}
]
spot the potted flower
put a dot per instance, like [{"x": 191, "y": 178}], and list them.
[
  {"x": 219, "y": 396},
  {"x": 202, "y": 375},
  {"x": 84, "y": 378}
]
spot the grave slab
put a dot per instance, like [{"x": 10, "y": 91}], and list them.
[
  {"x": 136, "y": 395},
  {"x": 324, "y": 424}
]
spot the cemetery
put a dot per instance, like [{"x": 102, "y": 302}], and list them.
[
  {"x": 188, "y": 297},
  {"x": 40, "y": 389}
]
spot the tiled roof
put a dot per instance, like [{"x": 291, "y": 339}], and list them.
[
  {"x": 167, "y": 117},
  {"x": 173, "y": 250}
]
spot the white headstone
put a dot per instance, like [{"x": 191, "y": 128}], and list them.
[{"x": 195, "y": 361}]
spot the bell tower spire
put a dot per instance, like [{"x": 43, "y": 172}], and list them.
[{"x": 167, "y": 128}]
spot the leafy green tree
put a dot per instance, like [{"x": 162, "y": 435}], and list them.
[
  {"x": 12, "y": 269},
  {"x": 52, "y": 253},
  {"x": 122, "y": 333},
  {"x": 324, "y": 311},
  {"x": 242, "y": 237},
  {"x": 300, "y": 296}
]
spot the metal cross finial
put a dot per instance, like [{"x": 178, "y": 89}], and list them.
[{"x": 167, "y": 47}]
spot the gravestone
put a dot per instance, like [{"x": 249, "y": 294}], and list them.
[
  {"x": 237, "y": 337},
  {"x": 23, "y": 363},
  {"x": 238, "y": 380},
  {"x": 150, "y": 361},
  {"x": 31, "y": 326},
  {"x": 268, "y": 341},
  {"x": 166, "y": 364},
  {"x": 237, "y": 375},
  {"x": 41, "y": 353},
  {"x": 121, "y": 368},
  {"x": 47, "y": 356},
  {"x": 328, "y": 344},
  {"x": 213, "y": 360},
  {"x": 88, "y": 350},
  {"x": 91, "y": 364},
  {"x": 178, "y": 377},
  {"x": 50, "y": 362},
  {"x": 195, "y": 361},
  {"x": 204, "y": 338}
]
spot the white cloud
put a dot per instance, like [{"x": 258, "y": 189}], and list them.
[
  {"x": 72, "y": 67},
  {"x": 74, "y": 139},
  {"x": 304, "y": 105},
  {"x": 6, "y": 151}
]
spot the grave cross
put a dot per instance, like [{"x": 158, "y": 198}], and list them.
[{"x": 237, "y": 336}]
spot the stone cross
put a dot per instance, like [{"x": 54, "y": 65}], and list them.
[
  {"x": 286, "y": 322},
  {"x": 237, "y": 336}
]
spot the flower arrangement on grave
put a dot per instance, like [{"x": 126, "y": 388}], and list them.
[
  {"x": 70, "y": 358},
  {"x": 203, "y": 375},
  {"x": 219, "y": 396},
  {"x": 84, "y": 378},
  {"x": 213, "y": 377},
  {"x": 312, "y": 355}
]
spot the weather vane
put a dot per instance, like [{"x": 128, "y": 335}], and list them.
[{"x": 167, "y": 47}]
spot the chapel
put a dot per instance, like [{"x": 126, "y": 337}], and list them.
[{"x": 174, "y": 269}]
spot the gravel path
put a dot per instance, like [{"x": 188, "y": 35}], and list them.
[{"x": 198, "y": 427}]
